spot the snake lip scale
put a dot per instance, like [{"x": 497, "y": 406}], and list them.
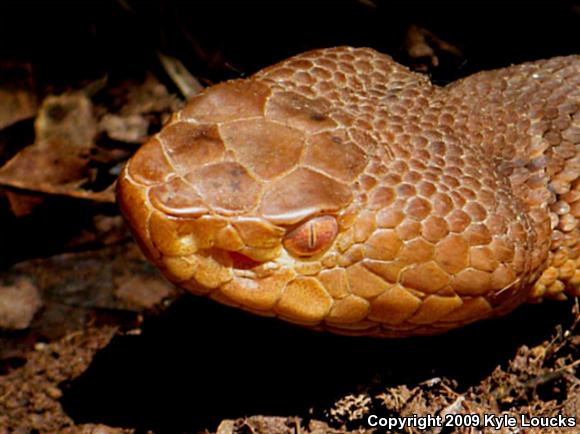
[{"x": 341, "y": 191}]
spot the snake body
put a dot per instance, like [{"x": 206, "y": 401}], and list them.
[{"x": 341, "y": 191}]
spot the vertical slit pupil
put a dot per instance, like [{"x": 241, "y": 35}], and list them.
[{"x": 311, "y": 236}]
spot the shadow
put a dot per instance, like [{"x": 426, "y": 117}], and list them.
[{"x": 200, "y": 362}]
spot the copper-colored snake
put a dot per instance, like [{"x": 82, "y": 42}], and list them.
[{"x": 341, "y": 191}]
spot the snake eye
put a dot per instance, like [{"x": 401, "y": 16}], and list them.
[{"x": 311, "y": 237}]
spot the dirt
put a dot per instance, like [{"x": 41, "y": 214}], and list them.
[
  {"x": 172, "y": 375},
  {"x": 29, "y": 395},
  {"x": 93, "y": 340}
]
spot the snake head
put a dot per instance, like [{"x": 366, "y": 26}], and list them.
[
  {"x": 339, "y": 190},
  {"x": 233, "y": 200}
]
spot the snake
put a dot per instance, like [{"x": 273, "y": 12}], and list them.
[{"x": 341, "y": 191}]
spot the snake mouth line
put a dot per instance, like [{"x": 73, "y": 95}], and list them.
[
  {"x": 222, "y": 262},
  {"x": 243, "y": 262}
]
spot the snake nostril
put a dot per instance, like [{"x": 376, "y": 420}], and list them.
[{"x": 243, "y": 262}]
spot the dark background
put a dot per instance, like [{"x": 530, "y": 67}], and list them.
[{"x": 218, "y": 39}]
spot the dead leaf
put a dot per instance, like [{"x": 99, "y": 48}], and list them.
[
  {"x": 19, "y": 301},
  {"x": 58, "y": 161}
]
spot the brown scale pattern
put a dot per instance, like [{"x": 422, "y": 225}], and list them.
[{"x": 341, "y": 191}]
